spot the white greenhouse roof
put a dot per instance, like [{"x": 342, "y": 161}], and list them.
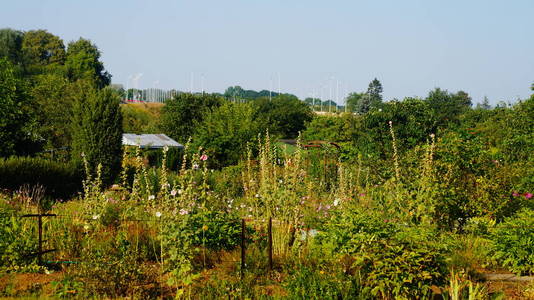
[{"x": 149, "y": 141}]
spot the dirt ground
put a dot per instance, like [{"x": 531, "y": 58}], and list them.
[{"x": 39, "y": 285}]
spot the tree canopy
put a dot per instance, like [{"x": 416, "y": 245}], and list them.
[
  {"x": 284, "y": 115},
  {"x": 83, "y": 62},
  {"x": 182, "y": 113},
  {"x": 364, "y": 102},
  {"x": 13, "y": 119}
]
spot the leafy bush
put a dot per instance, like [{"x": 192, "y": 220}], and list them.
[
  {"x": 18, "y": 239},
  {"x": 109, "y": 266},
  {"x": 513, "y": 242},
  {"x": 215, "y": 230},
  {"x": 181, "y": 115},
  {"x": 59, "y": 179},
  {"x": 225, "y": 133},
  {"x": 284, "y": 115},
  {"x": 13, "y": 109},
  {"x": 392, "y": 261}
]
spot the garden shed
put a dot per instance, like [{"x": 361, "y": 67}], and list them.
[{"x": 149, "y": 141}]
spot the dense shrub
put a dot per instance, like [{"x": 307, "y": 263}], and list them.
[
  {"x": 13, "y": 109},
  {"x": 283, "y": 115},
  {"x": 513, "y": 242},
  {"x": 412, "y": 121},
  {"x": 225, "y": 133},
  {"x": 181, "y": 115},
  {"x": 392, "y": 260},
  {"x": 97, "y": 132},
  {"x": 329, "y": 128},
  {"x": 59, "y": 179},
  {"x": 140, "y": 118},
  {"x": 109, "y": 266},
  {"x": 17, "y": 240},
  {"x": 214, "y": 230}
]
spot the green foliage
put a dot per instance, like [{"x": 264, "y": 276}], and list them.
[
  {"x": 238, "y": 93},
  {"x": 364, "y": 102},
  {"x": 214, "y": 229},
  {"x": 109, "y": 267},
  {"x": 283, "y": 115},
  {"x": 307, "y": 283},
  {"x": 392, "y": 261},
  {"x": 513, "y": 242},
  {"x": 60, "y": 180},
  {"x": 182, "y": 114},
  {"x": 176, "y": 242},
  {"x": 52, "y": 103},
  {"x": 329, "y": 128},
  {"x": 43, "y": 52},
  {"x": 82, "y": 62},
  {"x": 446, "y": 106},
  {"x": 13, "y": 111},
  {"x": 11, "y": 45},
  {"x": 17, "y": 241},
  {"x": 140, "y": 119},
  {"x": 225, "y": 133},
  {"x": 412, "y": 122},
  {"x": 97, "y": 132}
]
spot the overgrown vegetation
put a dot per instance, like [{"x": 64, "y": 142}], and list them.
[{"x": 408, "y": 199}]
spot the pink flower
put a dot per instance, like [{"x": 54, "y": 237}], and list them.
[
  {"x": 183, "y": 212},
  {"x": 528, "y": 195},
  {"x": 203, "y": 157},
  {"x": 515, "y": 194},
  {"x": 362, "y": 195}
]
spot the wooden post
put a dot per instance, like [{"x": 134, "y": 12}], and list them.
[
  {"x": 242, "y": 247},
  {"x": 40, "y": 249},
  {"x": 270, "y": 242}
]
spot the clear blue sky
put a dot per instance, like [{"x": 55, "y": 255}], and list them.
[{"x": 485, "y": 47}]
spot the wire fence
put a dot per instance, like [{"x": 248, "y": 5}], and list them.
[{"x": 266, "y": 224}]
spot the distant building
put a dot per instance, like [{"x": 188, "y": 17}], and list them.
[{"x": 149, "y": 141}]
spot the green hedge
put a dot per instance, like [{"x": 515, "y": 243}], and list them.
[{"x": 60, "y": 180}]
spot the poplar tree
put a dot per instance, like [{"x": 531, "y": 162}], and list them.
[{"x": 97, "y": 132}]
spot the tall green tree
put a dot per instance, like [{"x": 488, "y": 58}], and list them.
[
  {"x": 13, "y": 116},
  {"x": 43, "y": 52},
  {"x": 184, "y": 112},
  {"x": 97, "y": 131},
  {"x": 225, "y": 132},
  {"x": 283, "y": 115},
  {"x": 357, "y": 102},
  {"x": 485, "y": 104},
  {"x": 412, "y": 119},
  {"x": 83, "y": 62},
  {"x": 375, "y": 92},
  {"x": 447, "y": 106},
  {"x": 364, "y": 102},
  {"x": 11, "y": 45}
]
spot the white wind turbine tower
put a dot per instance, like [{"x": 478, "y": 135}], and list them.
[
  {"x": 202, "y": 83},
  {"x": 191, "y": 84},
  {"x": 270, "y": 88},
  {"x": 135, "y": 83},
  {"x": 127, "y": 87},
  {"x": 279, "y": 89}
]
